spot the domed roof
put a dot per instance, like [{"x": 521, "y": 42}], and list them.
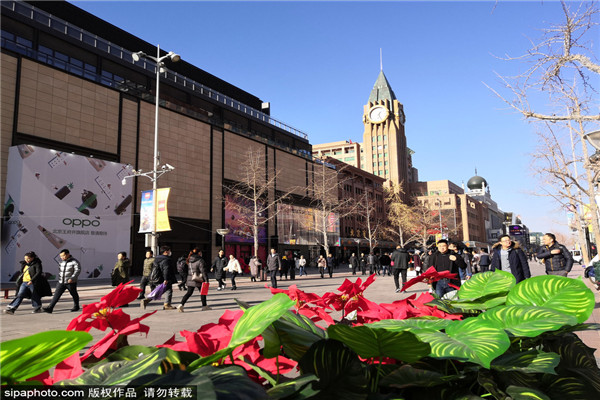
[{"x": 475, "y": 182}]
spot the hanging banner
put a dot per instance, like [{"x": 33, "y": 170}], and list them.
[
  {"x": 57, "y": 200},
  {"x": 147, "y": 214},
  {"x": 162, "y": 214}
]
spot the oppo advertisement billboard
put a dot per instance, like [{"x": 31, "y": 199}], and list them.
[{"x": 56, "y": 200}]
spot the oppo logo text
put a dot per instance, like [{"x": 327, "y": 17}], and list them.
[{"x": 80, "y": 222}]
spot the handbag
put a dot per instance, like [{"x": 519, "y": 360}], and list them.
[
  {"x": 204, "y": 288},
  {"x": 157, "y": 293},
  {"x": 196, "y": 277}
]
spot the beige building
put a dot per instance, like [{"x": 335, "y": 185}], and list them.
[
  {"x": 462, "y": 217},
  {"x": 346, "y": 151}
]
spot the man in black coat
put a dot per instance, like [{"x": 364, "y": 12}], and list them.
[
  {"x": 557, "y": 258},
  {"x": 164, "y": 262},
  {"x": 508, "y": 256},
  {"x": 273, "y": 265},
  {"x": 353, "y": 261},
  {"x": 400, "y": 259},
  {"x": 446, "y": 260},
  {"x": 218, "y": 265}
]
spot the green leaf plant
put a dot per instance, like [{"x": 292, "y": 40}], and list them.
[{"x": 496, "y": 340}]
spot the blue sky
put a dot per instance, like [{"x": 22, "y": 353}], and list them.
[{"x": 316, "y": 63}]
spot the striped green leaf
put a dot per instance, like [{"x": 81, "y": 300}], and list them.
[
  {"x": 299, "y": 388},
  {"x": 485, "y": 284},
  {"x": 530, "y": 362},
  {"x": 411, "y": 324},
  {"x": 525, "y": 393},
  {"x": 250, "y": 325},
  {"x": 409, "y": 376},
  {"x": 373, "y": 342},
  {"x": 295, "y": 332},
  {"x": 341, "y": 373},
  {"x": 527, "y": 321},
  {"x": 472, "y": 340},
  {"x": 569, "y": 296},
  {"x": 26, "y": 357},
  {"x": 230, "y": 382}
]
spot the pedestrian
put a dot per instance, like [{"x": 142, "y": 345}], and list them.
[
  {"x": 196, "y": 269},
  {"x": 68, "y": 272},
  {"x": 146, "y": 271},
  {"x": 302, "y": 266},
  {"x": 273, "y": 265},
  {"x": 445, "y": 259},
  {"x": 218, "y": 266},
  {"x": 285, "y": 266},
  {"x": 120, "y": 272},
  {"x": 475, "y": 257},
  {"x": 255, "y": 265},
  {"x": 322, "y": 264},
  {"x": 362, "y": 261},
  {"x": 417, "y": 263},
  {"x": 484, "y": 260},
  {"x": 234, "y": 268},
  {"x": 353, "y": 261},
  {"x": 292, "y": 267},
  {"x": 465, "y": 274},
  {"x": 331, "y": 264},
  {"x": 164, "y": 262},
  {"x": 508, "y": 256},
  {"x": 384, "y": 264},
  {"x": 399, "y": 262},
  {"x": 182, "y": 271},
  {"x": 557, "y": 258},
  {"x": 372, "y": 263},
  {"x": 31, "y": 283}
]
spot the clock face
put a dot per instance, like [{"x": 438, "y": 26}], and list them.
[{"x": 378, "y": 114}]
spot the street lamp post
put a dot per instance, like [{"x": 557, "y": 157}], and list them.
[{"x": 155, "y": 173}]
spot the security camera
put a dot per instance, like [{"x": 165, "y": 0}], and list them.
[{"x": 170, "y": 166}]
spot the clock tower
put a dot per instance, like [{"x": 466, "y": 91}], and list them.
[{"x": 384, "y": 141}]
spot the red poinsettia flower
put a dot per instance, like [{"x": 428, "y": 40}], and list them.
[
  {"x": 414, "y": 306},
  {"x": 431, "y": 275},
  {"x": 105, "y": 314},
  {"x": 303, "y": 300},
  {"x": 351, "y": 298}
]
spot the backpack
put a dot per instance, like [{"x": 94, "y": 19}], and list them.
[
  {"x": 156, "y": 276},
  {"x": 182, "y": 267}
]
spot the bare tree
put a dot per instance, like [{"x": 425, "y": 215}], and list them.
[
  {"x": 400, "y": 216},
  {"x": 367, "y": 211},
  {"x": 563, "y": 67},
  {"x": 328, "y": 199},
  {"x": 425, "y": 222},
  {"x": 255, "y": 196}
]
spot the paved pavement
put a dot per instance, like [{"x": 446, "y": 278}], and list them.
[{"x": 166, "y": 323}]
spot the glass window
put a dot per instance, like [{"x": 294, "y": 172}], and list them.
[
  {"x": 384, "y": 137},
  {"x": 7, "y": 35},
  {"x": 385, "y": 146},
  {"x": 25, "y": 42}
]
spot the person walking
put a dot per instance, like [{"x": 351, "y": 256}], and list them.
[
  {"x": 292, "y": 266},
  {"x": 353, "y": 261},
  {"x": 120, "y": 272},
  {"x": 400, "y": 260},
  {"x": 302, "y": 266},
  {"x": 196, "y": 267},
  {"x": 446, "y": 260},
  {"x": 273, "y": 265},
  {"x": 146, "y": 271},
  {"x": 417, "y": 263},
  {"x": 168, "y": 269},
  {"x": 255, "y": 265},
  {"x": 371, "y": 263},
  {"x": 68, "y": 272},
  {"x": 234, "y": 268},
  {"x": 218, "y": 266},
  {"x": 182, "y": 271},
  {"x": 285, "y": 266},
  {"x": 331, "y": 264},
  {"x": 508, "y": 256},
  {"x": 362, "y": 261},
  {"x": 322, "y": 264},
  {"x": 484, "y": 260},
  {"x": 30, "y": 283},
  {"x": 557, "y": 258},
  {"x": 384, "y": 264}
]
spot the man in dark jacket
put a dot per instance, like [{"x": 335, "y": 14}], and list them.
[
  {"x": 509, "y": 257},
  {"x": 273, "y": 265},
  {"x": 445, "y": 260},
  {"x": 331, "y": 264},
  {"x": 353, "y": 261},
  {"x": 384, "y": 263},
  {"x": 29, "y": 284},
  {"x": 362, "y": 262},
  {"x": 372, "y": 263},
  {"x": 168, "y": 269},
  {"x": 68, "y": 273},
  {"x": 218, "y": 265},
  {"x": 557, "y": 258},
  {"x": 400, "y": 259}
]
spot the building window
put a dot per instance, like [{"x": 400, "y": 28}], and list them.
[{"x": 384, "y": 137}]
